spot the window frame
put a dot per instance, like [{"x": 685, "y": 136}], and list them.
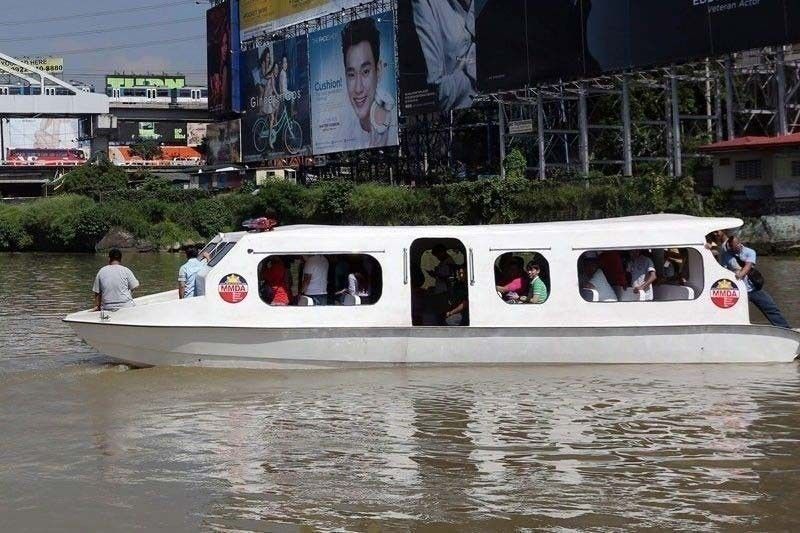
[
  {"x": 698, "y": 287},
  {"x": 373, "y": 299},
  {"x": 545, "y": 274},
  {"x": 748, "y": 170}
]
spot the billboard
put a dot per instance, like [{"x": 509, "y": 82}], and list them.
[
  {"x": 277, "y": 119},
  {"x": 258, "y": 16},
  {"x": 195, "y": 133},
  {"x": 49, "y": 64},
  {"x": 521, "y": 42},
  {"x": 224, "y": 143},
  {"x": 222, "y": 42},
  {"x": 171, "y": 132},
  {"x": 436, "y": 42},
  {"x": 128, "y": 81},
  {"x": 353, "y": 85},
  {"x": 45, "y": 133}
]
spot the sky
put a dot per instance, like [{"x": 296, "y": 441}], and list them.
[{"x": 97, "y": 37}]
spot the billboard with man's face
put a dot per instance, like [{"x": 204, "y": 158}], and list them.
[
  {"x": 436, "y": 54},
  {"x": 353, "y": 85},
  {"x": 277, "y": 121}
]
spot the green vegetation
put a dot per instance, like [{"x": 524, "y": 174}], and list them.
[{"x": 97, "y": 198}]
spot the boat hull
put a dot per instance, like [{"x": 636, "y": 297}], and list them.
[{"x": 304, "y": 348}]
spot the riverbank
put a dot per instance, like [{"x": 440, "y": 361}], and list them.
[{"x": 158, "y": 217}]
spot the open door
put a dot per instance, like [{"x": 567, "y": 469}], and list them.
[{"x": 439, "y": 287}]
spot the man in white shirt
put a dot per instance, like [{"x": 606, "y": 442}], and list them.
[
  {"x": 114, "y": 284},
  {"x": 315, "y": 279},
  {"x": 643, "y": 274},
  {"x": 446, "y": 31}
]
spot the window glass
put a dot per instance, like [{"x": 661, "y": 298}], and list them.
[
  {"x": 320, "y": 279},
  {"x": 664, "y": 274},
  {"x": 220, "y": 251},
  {"x": 522, "y": 277}
]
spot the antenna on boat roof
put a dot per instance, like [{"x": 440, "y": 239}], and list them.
[{"x": 258, "y": 225}]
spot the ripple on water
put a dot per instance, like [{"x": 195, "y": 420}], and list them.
[{"x": 85, "y": 441}]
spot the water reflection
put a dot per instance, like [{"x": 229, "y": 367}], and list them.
[{"x": 693, "y": 447}]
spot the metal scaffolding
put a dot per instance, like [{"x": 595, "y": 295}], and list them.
[{"x": 651, "y": 120}]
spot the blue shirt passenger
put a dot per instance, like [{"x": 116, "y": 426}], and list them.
[{"x": 187, "y": 275}]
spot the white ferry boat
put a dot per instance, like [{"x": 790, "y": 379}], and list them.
[{"x": 452, "y": 295}]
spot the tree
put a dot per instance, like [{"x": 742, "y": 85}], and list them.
[
  {"x": 94, "y": 180},
  {"x": 147, "y": 149},
  {"x": 515, "y": 164}
]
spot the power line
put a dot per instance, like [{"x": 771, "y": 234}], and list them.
[
  {"x": 96, "y": 13},
  {"x": 106, "y": 30},
  {"x": 121, "y": 46}
]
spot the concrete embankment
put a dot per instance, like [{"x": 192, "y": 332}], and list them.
[{"x": 773, "y": 234}]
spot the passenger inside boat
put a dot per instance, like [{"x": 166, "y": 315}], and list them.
[
  {"x": 439, "y": 288},
  {"x": 522, "y": 277},
  {"x": 663, "y": 274},
  {"x": 320, "y": 279}
]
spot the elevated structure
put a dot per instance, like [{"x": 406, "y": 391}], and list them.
[{"x": 44, "y": 94}]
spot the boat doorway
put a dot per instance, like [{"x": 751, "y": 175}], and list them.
[{"x": 439, "y": 287}]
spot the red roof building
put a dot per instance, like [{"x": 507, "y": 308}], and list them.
[{"x": 758, "y": 167}]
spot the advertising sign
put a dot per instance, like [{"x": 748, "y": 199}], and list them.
[
  {"x": 436, "y": 55},
  {"x": 127, "y": 81},
  {"x": 258, "y": 16},
  {"x": 195, "y": 133},
  {"x": 48, "y": 64},
  {"x": 222, "y": 39},
  {"x": 521, "y": 42},
  {"x": 353, "y": 85},
  {"x": 129, "y": 131},
  {"x": 48, "y": 133},
  {"x": 224, "y": 144},
  {"x": 277, "y": 119}
]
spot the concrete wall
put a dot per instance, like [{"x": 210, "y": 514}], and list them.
[{"x": 776, "y": 172}]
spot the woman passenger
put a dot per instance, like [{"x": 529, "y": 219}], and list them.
[{"x": 516, "y": 283}]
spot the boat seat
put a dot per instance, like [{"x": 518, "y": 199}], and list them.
[
  {"x": 590, "y": 295},
  {"x": 627, "y": 295},
  {"x": 666, "y": 293},
  {"x": 351, "y": 299},
  {"x": 304, "y": 301}
]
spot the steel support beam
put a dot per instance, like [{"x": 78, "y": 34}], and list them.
[
  {"x": 780, "y": 81},
  {"x": 729, "y": 97},
  {"x": 540, "y": 136},
  {"x": 677, "y": 152},
  {"x": 627, "y": 152},
  {"x": 583, "y": 128},
  {"x": 501, "y": 131}
]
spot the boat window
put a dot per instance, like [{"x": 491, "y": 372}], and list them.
[
  {"x": 439, "y": 287},
  {"x": 320, "y": 279},
  {"x": 522, "y": 277},
  {"x": 220, "y": 251},
  {"x": 659, "y": 274}
]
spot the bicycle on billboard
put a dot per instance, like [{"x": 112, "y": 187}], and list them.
[{"x": 266, "y": 132}]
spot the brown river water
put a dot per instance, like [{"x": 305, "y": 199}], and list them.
[{"x": 86, "y": 445}]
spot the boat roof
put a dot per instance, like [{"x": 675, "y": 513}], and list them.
[{"x": 644, "y": 230}]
